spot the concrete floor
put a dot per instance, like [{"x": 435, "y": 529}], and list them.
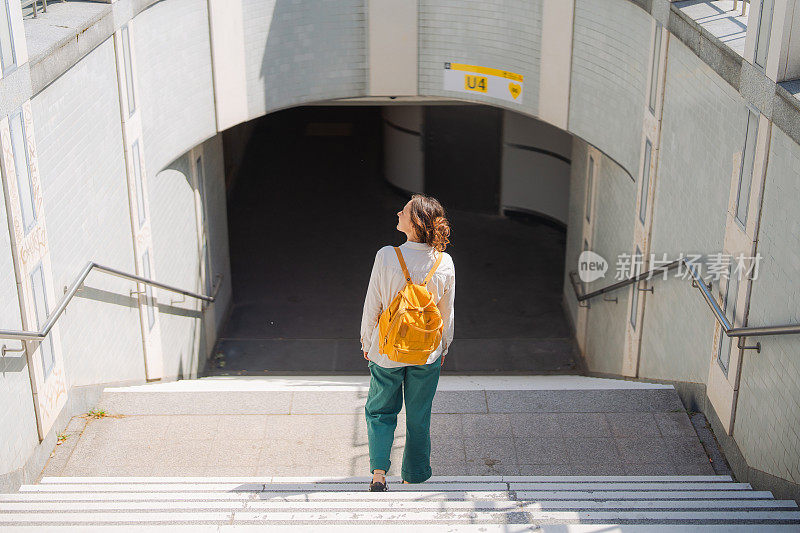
[
  {"x": 522, "y": 425},
  {"x": 306, "y": 217}
]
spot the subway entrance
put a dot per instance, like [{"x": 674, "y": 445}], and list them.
[{"x": 313, "y": 193}]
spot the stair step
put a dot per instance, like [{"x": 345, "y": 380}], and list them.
[
  {"x": 264, "y": 496},
  {"x": 388, "y": 505},
  {"x": 409, "y": 495},
  {"x": 344, "y": 402},
  {"x": 391, "y": 479},
  {"x": 332, "y": 395},
  {"x": 643, "y": 495},
  {"x": 405, "y": 517},
  {"x": 256, "y": 487},
  {"x": 685, "y": 486},
  {"x": 516, "y": 503},
  {"x": 355, "y": 487},
  {"x": 361, "y": 383},
  {"x": 363, "y": 479}
]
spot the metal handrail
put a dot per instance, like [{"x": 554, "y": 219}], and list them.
[
  {"x": 51, "y": 320},
  {"x": 26, "y": 3},
  {"x": 697, "y": 281}
]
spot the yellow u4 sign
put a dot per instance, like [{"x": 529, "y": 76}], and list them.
[
  {"x": 488, "y": 81},
  {"x": 476, "y": 83}
]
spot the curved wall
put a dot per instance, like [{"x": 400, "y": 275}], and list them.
[
  {"x": 176, "y": 262},
  {"x": 173, "y": 60},
  {"x": 534, "y": 160},
  {"x": 301, "y": 52},
  {"x": 535, "y": 168},
  {"x": 503, "y": 34},
  {"x": 612, "y": 235},
  {"x": 610, "y": 58},
  {"x": 403, "y": 156}
]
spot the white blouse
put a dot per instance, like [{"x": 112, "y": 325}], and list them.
[{"x": 387, "y": 280}]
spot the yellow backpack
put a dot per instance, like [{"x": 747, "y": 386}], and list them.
[{"x": 411, "y": 327}]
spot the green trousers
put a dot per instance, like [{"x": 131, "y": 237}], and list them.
[{"x": 385, "y": 399}]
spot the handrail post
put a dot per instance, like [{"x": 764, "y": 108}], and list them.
[
  {"x": 6, "y": 350},
  {"x": 741, "y": 345}
]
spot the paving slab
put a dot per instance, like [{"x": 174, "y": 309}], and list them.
[
  {"x": 477, "y": 382},
  {"x": 194, "y": 403},
  {"x": 584, "y": 451},
  {"x": 674, "y": 424},
  {"x": 584, "y": 425},
  {"x": 542, "y": 450},
  {"x": 494, "y": 425},
  {"x": 538, "y": 425},
  {"x": 309, "y": 402},
  {"x": 491, "y": 452},
  {"x": 459, "y": 402},
  {"x": 633, "y": 424},
  {"x": 583, "y": 401}
]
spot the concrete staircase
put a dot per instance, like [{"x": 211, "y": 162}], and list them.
[
  {"x": 509, "y": 453},
  {"x": 458, "y": 503}
]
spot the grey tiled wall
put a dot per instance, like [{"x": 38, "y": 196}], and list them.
[
  {"x": 173, "y": 59},
  {"x": 82, "y": 169},
  {"x": 299, "y": 52},
  {"x": 768, "y": 411},
  {"x": 615, "y": 194},
  {"x": 494, "y": 33},
  {"x": 176, "y": 262},
  {"x": 703, "y": 125},
  {"x": 610, "y": 62},
  {"x": 17, "y": 416}
]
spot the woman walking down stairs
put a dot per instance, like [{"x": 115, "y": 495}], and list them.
[{"x": 508, "y": 453}]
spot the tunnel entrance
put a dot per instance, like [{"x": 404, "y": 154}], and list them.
[{"x": 308, "y": 208}]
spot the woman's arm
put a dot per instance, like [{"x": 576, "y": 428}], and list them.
[
  {"x": 446, "y": 306},
  {"x": 372, "y": 304}
]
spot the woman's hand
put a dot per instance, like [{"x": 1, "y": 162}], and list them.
[{"x": 365, "y": 356}]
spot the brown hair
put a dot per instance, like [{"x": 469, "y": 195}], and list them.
[{"x": 429, "y": 221}]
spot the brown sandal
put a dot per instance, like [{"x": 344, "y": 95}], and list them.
[{"x": 378, "y": 486}]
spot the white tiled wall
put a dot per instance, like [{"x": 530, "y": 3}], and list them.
[
  {"x": 82, "y": 169},
  {"x": 498, "y": 34},
  {"x": 610, "y": 62}
]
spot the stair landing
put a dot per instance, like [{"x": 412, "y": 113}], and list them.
[{"x": 290, "y": 426}]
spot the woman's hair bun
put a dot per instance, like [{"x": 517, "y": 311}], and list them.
[{"x": 429, "y": 221}]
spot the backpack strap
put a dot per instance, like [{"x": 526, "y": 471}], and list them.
[
  {"x": 435, "y": 266},
  {"x": 402, "y": 264},
  {"x": 405, "y": 270}
]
